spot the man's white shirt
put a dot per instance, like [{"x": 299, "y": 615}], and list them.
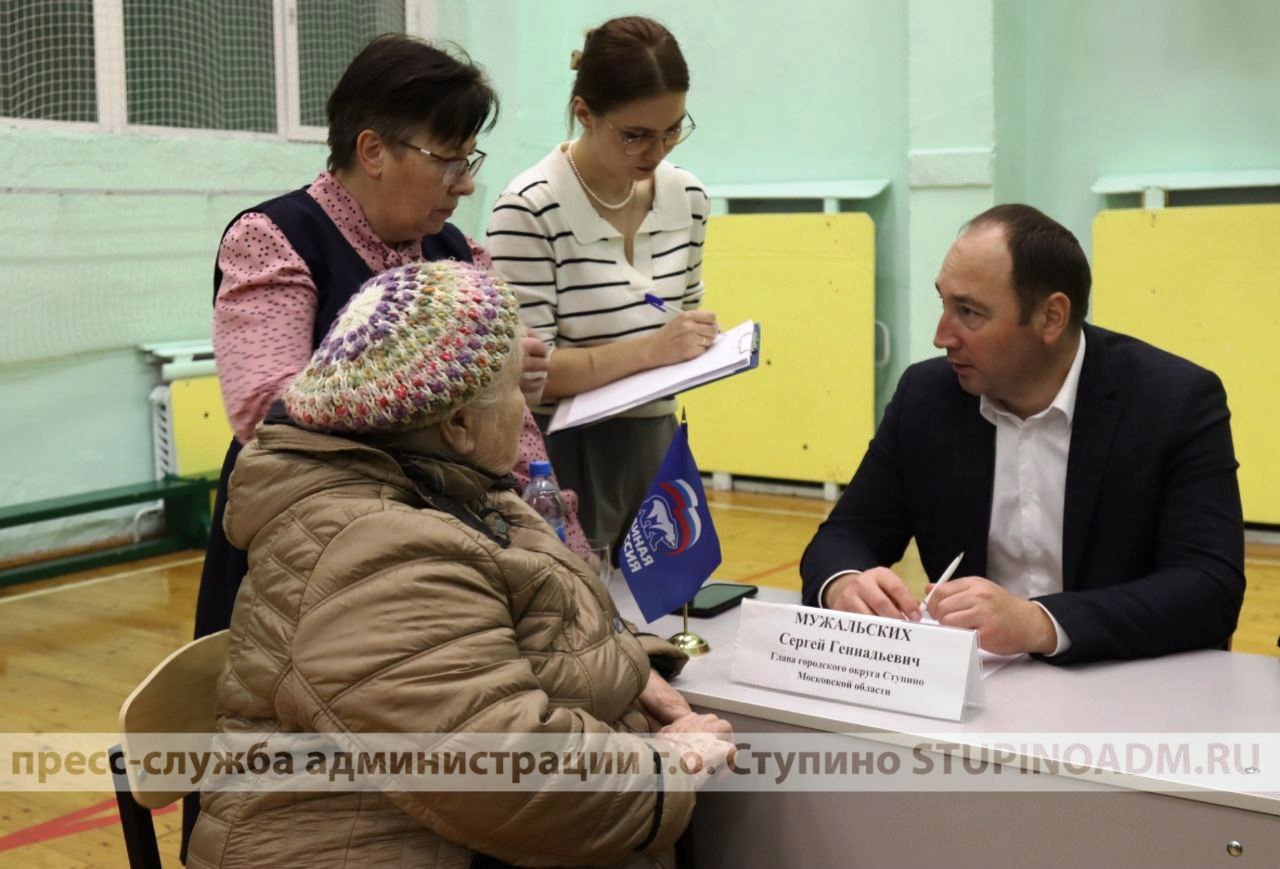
[{"x": 1024, "y": 540}]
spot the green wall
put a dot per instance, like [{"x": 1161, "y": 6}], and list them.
[
  {"x": 1098, "y": 87},
  {"x": 824, "y": 89},
  {"x": 106, "y": 242},
  {"x": 781, "y": 92}
]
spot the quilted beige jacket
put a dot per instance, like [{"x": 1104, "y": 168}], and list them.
[{"x": 367, "y": 611}]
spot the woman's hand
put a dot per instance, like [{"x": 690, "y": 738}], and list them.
[
  {"x": 686, "y": 337},
  {"x": 704, "y": 743},
  {"x": 661, "y": 703},
  {"x": 700, "y": 722},
  {"x": 533, "y": 371},
  {"x": 575, "y": 370}
]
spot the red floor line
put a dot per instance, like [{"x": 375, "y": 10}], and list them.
[{"x": 69, "y": 824}]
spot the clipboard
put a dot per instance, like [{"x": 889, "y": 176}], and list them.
[{"x": 733, "y": 352}]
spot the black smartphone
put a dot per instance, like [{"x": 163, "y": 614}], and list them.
[{"x": 716, "y": 597}]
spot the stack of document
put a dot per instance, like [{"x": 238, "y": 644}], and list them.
[{"x": 732, "y": 352}]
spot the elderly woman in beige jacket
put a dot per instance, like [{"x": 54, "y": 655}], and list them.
[{"x": 398, "y": 584}]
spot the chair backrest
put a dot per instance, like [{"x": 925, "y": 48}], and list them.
[{"x": 176, "y": 697}]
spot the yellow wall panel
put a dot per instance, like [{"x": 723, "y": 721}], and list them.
[
  {"x": 807, "y": 412},
  {"x": 201, "y": 432},
  {"x": 1205, "y": 283}
]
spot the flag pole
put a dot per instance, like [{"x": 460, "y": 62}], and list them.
[{"x": 689, "y": 643}]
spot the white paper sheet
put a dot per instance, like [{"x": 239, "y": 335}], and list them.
[{"x": 730, "y": 352}]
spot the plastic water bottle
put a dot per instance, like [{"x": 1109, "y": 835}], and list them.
[{"x": 543, "y": 495}]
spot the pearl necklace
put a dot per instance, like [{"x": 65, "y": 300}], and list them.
[{"x": 612, "y": 206}]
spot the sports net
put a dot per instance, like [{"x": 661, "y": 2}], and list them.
[
  {"x": 330, "y": 33},
  {"x": 46, "y": 60},
  {"x": 207, "y": 64}
]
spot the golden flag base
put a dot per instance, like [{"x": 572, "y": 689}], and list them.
[{"x": 688, "y": 642}]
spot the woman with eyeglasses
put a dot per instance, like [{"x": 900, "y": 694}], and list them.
[
  {"x": 403, "y": 121},
  {"x": 585, "y": 234}
]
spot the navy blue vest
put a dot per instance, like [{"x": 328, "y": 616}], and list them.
[{"x": 336, "y": 269}]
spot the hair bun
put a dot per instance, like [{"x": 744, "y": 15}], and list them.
[{"x": 575, "y": 59}]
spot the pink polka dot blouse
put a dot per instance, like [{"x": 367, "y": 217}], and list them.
[{"x": 266, "y": 308}]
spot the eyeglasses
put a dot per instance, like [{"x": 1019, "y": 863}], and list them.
[
  {"x": 635, "y": 144},
  {"x": 454, "y": 167}
]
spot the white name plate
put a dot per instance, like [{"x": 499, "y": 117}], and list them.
[{"x": 867, "y": 660}]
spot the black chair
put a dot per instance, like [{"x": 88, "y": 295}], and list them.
[{"x": 135, "y": 819}]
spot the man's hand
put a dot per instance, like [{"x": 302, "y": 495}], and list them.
[
  {"x": 1006, "y": 624},
  {"x": 878, "y": 592},
  {"x": 661, "y": 703},
  {"x": 533, "y": 372}
]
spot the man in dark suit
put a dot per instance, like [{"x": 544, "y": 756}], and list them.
[{"x": 1088, "y": 478}]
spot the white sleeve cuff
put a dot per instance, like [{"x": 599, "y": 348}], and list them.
[
  {"x": 1064, "y": 642},
  {"x": 823, "y": 591}
]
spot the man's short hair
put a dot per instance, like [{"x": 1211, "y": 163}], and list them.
[{"x": 1047, "y": 258}]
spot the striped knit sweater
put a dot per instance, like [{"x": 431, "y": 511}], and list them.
[{"x": 568, "y": 266}]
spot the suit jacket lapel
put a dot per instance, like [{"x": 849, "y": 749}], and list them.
[{"x": 1093, "y": 428}]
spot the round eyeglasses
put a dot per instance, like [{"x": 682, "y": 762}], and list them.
[
  {"x": 635, "y": 143},
  {"x": 454, "y": 167}
]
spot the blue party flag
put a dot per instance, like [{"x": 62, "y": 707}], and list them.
[{"x": 671, "y": 547}]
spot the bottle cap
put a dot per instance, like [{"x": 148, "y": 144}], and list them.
[{"x": 540, "y": 468}]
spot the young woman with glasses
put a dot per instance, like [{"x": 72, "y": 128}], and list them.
[{"x": 585, "y": 234}]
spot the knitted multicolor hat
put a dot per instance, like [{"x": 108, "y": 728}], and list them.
[{"x": 411, "y": 346}]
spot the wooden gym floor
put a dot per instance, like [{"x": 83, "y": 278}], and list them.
[{"x": 72, "y": 648}]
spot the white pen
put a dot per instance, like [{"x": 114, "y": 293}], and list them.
[{"x": 946, "y": 574}]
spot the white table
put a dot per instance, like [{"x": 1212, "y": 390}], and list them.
[{"x": 1134, "y": 819}]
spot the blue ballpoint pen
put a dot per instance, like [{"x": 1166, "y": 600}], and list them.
[
  {"x": 661, "y": 305},
  {"x": 658, "y": 303}
]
